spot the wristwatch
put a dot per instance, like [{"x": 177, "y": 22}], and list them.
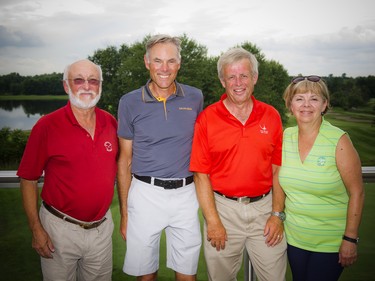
[
  {"x": 280, "y": 215},
  {"x": 353, "y": 240}
]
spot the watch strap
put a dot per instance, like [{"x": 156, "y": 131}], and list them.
[{"x": 353, "y": 240}]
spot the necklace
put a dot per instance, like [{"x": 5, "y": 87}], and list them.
[{"x": 159, "y": 98}]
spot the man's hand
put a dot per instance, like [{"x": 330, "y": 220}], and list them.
[
  {"x": 123, "y": 226},
  {"x": 42, "y": 243},
  {"x": 217, "y": 235}
]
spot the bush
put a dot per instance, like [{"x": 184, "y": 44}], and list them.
[{"x": 12, "y": 145}]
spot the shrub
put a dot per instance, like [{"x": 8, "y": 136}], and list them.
[{"x": 12, "y": 145}]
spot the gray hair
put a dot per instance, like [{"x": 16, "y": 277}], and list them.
[
  {"x": 234, "y": 55},
  {"x": 163, "y": 38}
]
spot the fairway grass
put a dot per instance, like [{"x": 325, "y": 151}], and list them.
[
  {"x": 19, "y": 262},
  {"x": 360, "y": 128}
]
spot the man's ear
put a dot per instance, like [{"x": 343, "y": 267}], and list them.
[
  {"x": 222, "y": 81},
  {"x": 147, "y": 62},
  {"x": 66, "y": 86},
  {"x": 255, "y": 78}
]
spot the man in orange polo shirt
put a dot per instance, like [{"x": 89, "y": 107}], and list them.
[{"x": 236, "y": 153}]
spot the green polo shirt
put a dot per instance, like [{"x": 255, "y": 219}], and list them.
[{"x": 316, "y": 198}]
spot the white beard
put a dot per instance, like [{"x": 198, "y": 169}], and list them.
[{"x": 77, "y": 102}]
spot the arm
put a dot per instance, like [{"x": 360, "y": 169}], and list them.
[
  {"x": 123, "y": 180},
  {"x": 275, "y": 227},
  {"x": 41, "y": 241},
  {"x": 349, "y": 166},
  {"x": 216, "y": 232}
]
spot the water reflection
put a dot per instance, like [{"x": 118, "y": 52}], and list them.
[{"x": 24, "y": 114}]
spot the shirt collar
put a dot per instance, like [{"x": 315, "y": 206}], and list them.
[
  {"x": 224, "y": 110},
  {"x": 148, "y": 97},
  {"x": 73, "y": 120}
]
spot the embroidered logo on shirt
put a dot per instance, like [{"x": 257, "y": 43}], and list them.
[
  {"x": 108, "y": 146},
  {"x": 321, "y": 161},
  {"x": 185, "y": 108},
  {"x": 263, "y": 129}
]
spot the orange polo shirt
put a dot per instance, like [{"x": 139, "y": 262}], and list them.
[{"x": 237, "y": 157}]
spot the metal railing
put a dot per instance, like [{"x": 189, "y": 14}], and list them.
[{"x": 10, "y": 179}]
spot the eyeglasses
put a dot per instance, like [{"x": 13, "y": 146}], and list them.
[
  {"x": 312, "y": 78},
  {"x": 81, "y": 81}
]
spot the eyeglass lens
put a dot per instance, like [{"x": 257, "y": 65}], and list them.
[
  {"x": 312, "y": 78},
  {"x": 81, "y": 81}
]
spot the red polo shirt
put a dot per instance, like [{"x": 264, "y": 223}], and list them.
[
  {"x": 237, "y": 157},
  {"x": 79, "y": 171}
]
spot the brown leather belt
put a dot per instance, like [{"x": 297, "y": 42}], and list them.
[
  {"x": 244, "y": 199},
  {"x": 166, "y": 184},
  {"x": 60, "y": 215}
]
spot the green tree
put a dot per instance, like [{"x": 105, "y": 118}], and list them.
[
  {"x": 272, "y": 81},
  {"x": 129, "y": 72},
  {"x": 12, "y": 145},
  {"x": 198, "y": 70},
  {"x": 109, "y": 60},
  {"x": 11, "y": 84}
]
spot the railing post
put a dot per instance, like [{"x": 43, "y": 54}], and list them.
[{"x": 249, "y": 270}]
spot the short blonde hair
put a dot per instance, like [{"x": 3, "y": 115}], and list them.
[
  {"x": 234, "y": 55},
  {"x": 319, "y": 88}
]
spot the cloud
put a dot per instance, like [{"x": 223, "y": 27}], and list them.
[
  {"x": 16, "y": 38},
  {"x": 43, "y": 36},
  {"x": 349, "y": 50}
]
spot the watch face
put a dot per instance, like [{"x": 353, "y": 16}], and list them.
[{"x": 282, "y": 216}]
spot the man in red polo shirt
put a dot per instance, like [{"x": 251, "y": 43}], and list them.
[
  {"x": 76, "y": 148},
  {"x": 236, "y": 152}
]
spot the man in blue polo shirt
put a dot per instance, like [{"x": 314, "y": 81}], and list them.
[{"x": 155, "y": 187}]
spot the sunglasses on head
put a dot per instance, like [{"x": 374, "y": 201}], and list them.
[
  {"x": 312, "y": 78},
  {"x": 81, "y": 81}
]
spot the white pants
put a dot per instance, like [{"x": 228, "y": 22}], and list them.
[{"x": 151, "y": 209}]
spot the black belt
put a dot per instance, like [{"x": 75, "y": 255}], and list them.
[
  {"x": 88, "y": 225},
  {"x": 166, "y": 184},
  {"x": 244, "y": 199}
]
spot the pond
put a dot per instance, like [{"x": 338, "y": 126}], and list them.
[{"x": 23, "y": 114}]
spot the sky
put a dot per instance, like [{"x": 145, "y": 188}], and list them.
[{"x": 319, "y": 37}]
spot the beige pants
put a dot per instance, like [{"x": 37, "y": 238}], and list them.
[
  {"x": 80, "y": 254},
  {"x": 245, "y": 226}
]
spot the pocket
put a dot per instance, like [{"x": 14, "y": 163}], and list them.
[{"x": 264, "y": 205}]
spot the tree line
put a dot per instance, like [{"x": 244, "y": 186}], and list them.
[{"x": 124, "y": 70}]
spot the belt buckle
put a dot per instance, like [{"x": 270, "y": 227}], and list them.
[
  {"x": 169, "y": 184},
  {"x": 244, "y": 200},
  {"x": 86, "y": 225}
]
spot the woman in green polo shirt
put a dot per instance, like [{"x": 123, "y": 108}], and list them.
[{"x": 322, "y": 181}]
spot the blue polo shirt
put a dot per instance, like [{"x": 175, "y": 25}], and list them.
[{"x": 162, "y": 132}]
